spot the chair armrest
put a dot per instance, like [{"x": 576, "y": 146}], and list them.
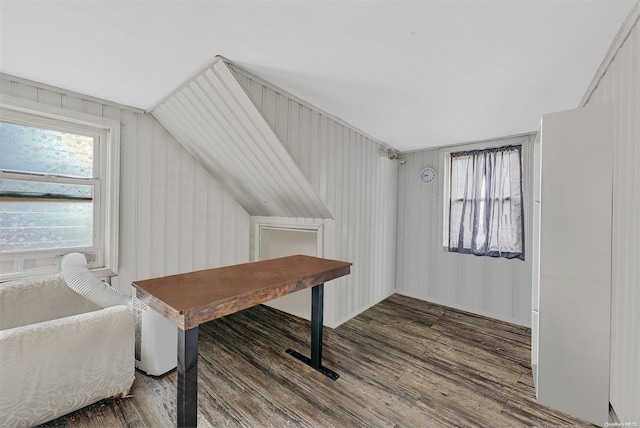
[{"x": 51, "y": 368}]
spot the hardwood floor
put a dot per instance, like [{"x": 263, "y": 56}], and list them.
[{"x": 402, "y": 363}]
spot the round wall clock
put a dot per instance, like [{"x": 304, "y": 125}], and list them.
[{"x": 428, "y": 175}]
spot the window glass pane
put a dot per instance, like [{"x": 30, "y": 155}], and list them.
[
  {"x": 45, "y": 151},
  {"x": 459, "y": 171},
  {"x": 61, "y": 219}
]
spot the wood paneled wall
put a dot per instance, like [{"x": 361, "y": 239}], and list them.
[
  {"x": 174, "y": 217},
  {"x": 498, "y": 288},
  {"x": 620, "y": 85},
  {"x": 214, "y": 119},
  {"x": 358, "y": 186}
]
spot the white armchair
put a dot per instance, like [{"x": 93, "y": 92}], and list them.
[{"x": 58, "y": 351}]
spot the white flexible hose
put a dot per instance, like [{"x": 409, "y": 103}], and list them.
[{"x": 77, "y": 276}]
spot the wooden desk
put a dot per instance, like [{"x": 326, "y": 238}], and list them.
[{"x": 194, "y": 298}]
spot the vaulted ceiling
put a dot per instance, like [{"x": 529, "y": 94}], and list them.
[
  {"x": 413, "y": 74},
  {"x": 214, "y": 118}
]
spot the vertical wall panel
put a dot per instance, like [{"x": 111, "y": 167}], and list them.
[
  {"x": 28, "y": 92},
  {"x": 620, "y": 85},
  {"x": 159, "y": 201},
  {"x": 215, "y": 218},
  {"x": 172, "y": 209},
  {"x": 143, "y": 177},
  {"x": 355, "y": 183},
  {"x": 128, "y": 242},
  {"x": 494, "y": 287},
  {"x": 48, "y": 97},
  {"x": 200, "y": 206},
  {"x": 92, "y": 107},
  {"x": 173, "y": 215},
  {"x": 185, "y": 201},
  {"x": 69, "y": 102}
]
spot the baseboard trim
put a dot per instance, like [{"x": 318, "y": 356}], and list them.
[
  {"x": 336, "y": 324},
  {"x": 467, "y": 309}
]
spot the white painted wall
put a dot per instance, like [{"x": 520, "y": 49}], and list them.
[
  {"x": 319, "y": 242},
  {"x": 357, "y": 185},
  {"x": 488, "y": 286},
  {"x": 279, "y": 242},
  {"x": 174, "y": 217},
  {"x": 620, "y": 85}
]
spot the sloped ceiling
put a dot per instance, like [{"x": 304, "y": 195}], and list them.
[
  {"x": 413, "y": 74},
  {"x": 214, "y": 119}
]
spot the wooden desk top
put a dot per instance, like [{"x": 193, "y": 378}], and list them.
[{"x": 193, "y": 298}]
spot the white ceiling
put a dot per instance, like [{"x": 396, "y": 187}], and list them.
[{"x": 412, "y": 74}]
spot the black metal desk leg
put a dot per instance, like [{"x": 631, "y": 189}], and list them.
[
  {"x": 317, "y": 310},
  {"x": 187, "y": 378},
  {"x": 317, "y": 305}
]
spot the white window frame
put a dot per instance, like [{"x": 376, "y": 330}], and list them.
[{"x": 104, "y": 253}]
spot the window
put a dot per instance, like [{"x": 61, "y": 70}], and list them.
[
  {"x": 58, "y": 189},
  {"x": 485, "y": 202}
]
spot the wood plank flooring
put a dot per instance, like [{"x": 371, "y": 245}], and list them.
[{"x": 402, "y": 363}]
